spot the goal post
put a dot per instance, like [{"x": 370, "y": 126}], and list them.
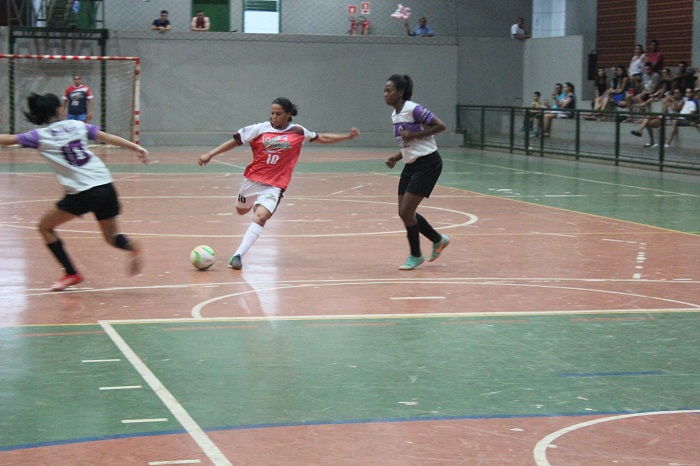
[{"x": 114, "y": 82}]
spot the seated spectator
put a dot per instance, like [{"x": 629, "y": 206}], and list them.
[
  {"x": 637, "y": 66},
  {"x": 650, "y": 83},
  {"x": 655, "y": 57},
  {"x": 690, "y": 107},
  {"x": 161, "y": 24},
  {"x": 601, "y": 84},
  {"x": 527, "y": 124},
  {"x": 518, "y": 30},
  {"x": 675, "y": 105},
  {"x": 568, "y": 102},
  {"x": 200, "y": 22},
  {"x": 421, "y": 30},
  {"x": 557, "y": 95},
  {"x": 665, "y": 90},
  {"x": 685, "y": 78},
  {"x": 618, "y": 93}
]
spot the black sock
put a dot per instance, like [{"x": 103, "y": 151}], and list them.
[
  {"x": 122, "y": 242},
  {"x": 427, "y": 230},
  {"x": 61, "y": 256},
  {"x": 413, "y": 235}
]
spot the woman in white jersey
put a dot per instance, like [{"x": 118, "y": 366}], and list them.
[
  {"x": 276, "y": 146},
  {"x": 85, "y": 179},
  {"x": 414, "y": 130}
]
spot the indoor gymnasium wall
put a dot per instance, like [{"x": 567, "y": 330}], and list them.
[
  {"x": 198, "y": 88},
  {"x": 199, "y": 92}
]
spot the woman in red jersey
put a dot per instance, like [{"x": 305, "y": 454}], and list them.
[{"x": 276, "y": 146}]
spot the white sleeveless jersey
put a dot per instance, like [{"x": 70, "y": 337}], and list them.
[
  {"x": 65, "y": 145},
  {"x": 413, "y": 117}
]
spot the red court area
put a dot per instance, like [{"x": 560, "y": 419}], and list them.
[
  {"x": 647, "y": 440},
  {"x": 333, "y": 249}
]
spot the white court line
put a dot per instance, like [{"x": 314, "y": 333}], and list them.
[
  {"x": 158, "y": 463},
  {"x": 444, "y": 280},
  {"x": 471, "y": 219},
  {"x": 425, "y": 315},
  {"x": 540, "y": 451},
  {"x": 242, "y": 167},
  {"x": 122, "y": 387},
  {"x": 100, "y": 360},
  {"x": 417, "y": 297},
  {"x": 143, "y": 421},
  {"x": 524, "y": 170},
  {"x": 195, "y": 431},
  {"x": 196, "y": 311}
]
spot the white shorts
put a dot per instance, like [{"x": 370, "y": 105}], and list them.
[
  {"x": 253, "y": 193},
  {"x": 561, "y": 114}
]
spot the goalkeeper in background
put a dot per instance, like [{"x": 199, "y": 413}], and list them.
[{"x": 77, "y": 101}]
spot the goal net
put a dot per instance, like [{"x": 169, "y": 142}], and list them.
[{"x": 113, "y": 81}]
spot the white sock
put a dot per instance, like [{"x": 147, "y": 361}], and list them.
[{"x": 250, "y": 237}]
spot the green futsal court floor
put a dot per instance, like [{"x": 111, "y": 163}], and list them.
[{"x": 104, "y": 381}]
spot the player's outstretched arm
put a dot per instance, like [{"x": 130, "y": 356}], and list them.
[
  {"x": 330, "y": 138},
  {"x": 8, "y": 139},
  {"x": 115, "y": 140},
  {"x": 227, "y": 146}
]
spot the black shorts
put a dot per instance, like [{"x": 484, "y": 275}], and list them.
[
  {"x": 102, "y": 200},
  {"x": 420, "y": 177}
]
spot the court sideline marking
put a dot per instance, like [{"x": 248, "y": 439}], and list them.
[{"x": 171, "y": 403}]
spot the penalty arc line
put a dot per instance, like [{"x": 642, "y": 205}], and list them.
[
  {"x": 177, "y": 410},
  {"x": 540, "y": 451}
]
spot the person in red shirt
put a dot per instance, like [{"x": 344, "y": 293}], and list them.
[
  {"x": 77, "y": 101},
  {"x": 276, "y": 146},
  {"x": 655, "y": 57},
  {"x": 200, "y": 22}
]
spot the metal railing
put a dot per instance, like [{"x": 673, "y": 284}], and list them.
[
  {"x": 68, "y": 14},
  {"x": 609, "y": 138}
]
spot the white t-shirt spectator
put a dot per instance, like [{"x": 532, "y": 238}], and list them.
[
  {"x": 689, "y": 107},
  {"x": 516, "y": 30}
]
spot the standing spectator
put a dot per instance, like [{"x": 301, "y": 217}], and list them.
[
  {"x": 87, "y": 182},
  {"x": 421, "y": 30},
  {"x": 518, "y": 30},
  {"x": 655, "y": 57},
  {"x": 568, "y": 102},
  {"x": 276, "y": 146},
  {"x": 77, "y": 101},
  {"x": 637, "y": 66},
  {"x": 161, "y": 24},
  {"x": 415, "y": 128},
  {"x": 200, "y": 22}
]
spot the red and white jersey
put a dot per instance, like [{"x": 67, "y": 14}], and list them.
[
  {"x": 275, "y": 151},
  {"x": 77, "y": 98}
]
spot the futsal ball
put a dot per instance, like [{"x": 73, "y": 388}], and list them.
[{"x": 202, "y": 257}]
